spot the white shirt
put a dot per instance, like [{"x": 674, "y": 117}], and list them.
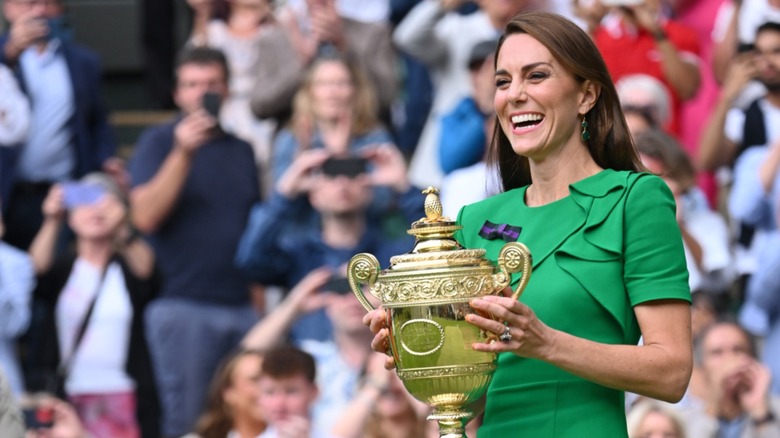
[
  {"x": 735, "y": 122},
  {"x": 466, "y": 186},
  {"x": 99, "y": 364}
]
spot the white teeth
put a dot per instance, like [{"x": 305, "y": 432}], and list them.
[{"x": 527, "y": 118}]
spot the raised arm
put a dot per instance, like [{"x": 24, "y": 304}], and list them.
[
  {"x": 416, "y": 33},
  {"x": 42, "y": 248},
  {"x": 153, "y": 201}
]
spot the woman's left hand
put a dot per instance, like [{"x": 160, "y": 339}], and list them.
[{"x": 528, "y": 336}]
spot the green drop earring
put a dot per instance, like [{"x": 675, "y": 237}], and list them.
[{"x": 585, "y": 133}]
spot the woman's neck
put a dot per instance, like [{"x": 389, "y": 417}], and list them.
[
  {"x": 247, "y": 427},
  {"x": 96, "y": 252},
  {"x": 552, "y": 176},
  {"x": 343, "y": 230}
]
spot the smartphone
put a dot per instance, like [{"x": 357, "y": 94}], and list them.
[
  {"x": 339, "y": 285},
  {"x": 348, "y": 166},
  {"x": 211, "y": 103},
  {"x": 76, "y": 194},
  {"x": 38, "y": 418}
]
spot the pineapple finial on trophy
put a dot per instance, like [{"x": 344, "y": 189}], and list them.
[{"x": 433, "y": 208}]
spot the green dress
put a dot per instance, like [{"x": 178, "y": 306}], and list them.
[{"x": 611, "y": 244}]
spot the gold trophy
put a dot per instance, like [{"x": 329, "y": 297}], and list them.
[{"x": 426, "y": 295}]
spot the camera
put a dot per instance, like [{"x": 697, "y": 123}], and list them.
[
  {"x": 345, "y": 166},
  {"x": 76, "y": 194},
  {"x": 338, "y": 285}
]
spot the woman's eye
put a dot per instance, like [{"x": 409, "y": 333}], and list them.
[
  {"x": 501, "y": 82},
  {"x": 537, "y": 76}
]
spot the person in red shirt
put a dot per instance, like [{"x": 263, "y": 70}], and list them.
[{"x": 637, "y": 38}]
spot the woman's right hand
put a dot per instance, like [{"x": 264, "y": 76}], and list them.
[
  {"x": 53, "y": 206},
  {"x": 376, "y": 320}
]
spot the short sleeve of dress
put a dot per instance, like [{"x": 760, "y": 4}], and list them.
[{"x": 654, "y": 259}]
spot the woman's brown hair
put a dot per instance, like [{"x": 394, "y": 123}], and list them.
[
  {"x": 217, "y": 420},
  {"x": 610, "y": 142},
  {"x": 364, "y": 101}
]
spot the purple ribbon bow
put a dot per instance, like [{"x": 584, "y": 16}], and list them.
[{"x": 509, "y": 233}]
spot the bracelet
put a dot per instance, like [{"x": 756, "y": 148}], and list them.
[{"x": 768, "y": 418}]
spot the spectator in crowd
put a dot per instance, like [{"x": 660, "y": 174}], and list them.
[
  {"x": 287, "y": 393},
  {"x": 737, "y": 403},
  {"x": 193, "y": 187},
  {"x": 754, "y": 200},
  {"x": 69, "y": 132},
  {"x": 248, "y": 27},
  {"x": 645, "y": 101},
  {"x": 382, "y": 407},
  {"x": 732, "y": 130},
  {"x": 232, "y": 409},
  {"x": 434, "y": 33},
  {"x": 649, "y": 418},
  {"x": 16, "y": 285},
  {"x": 706, "y": 237},
  {"x": 314, "y": 30},
  {"x": 95, "y": 300},
  {"x": 334, "y": 110},
  {"x": 639, "y": 39},
  {"x": 283, "y": 244},
  {"x": 339, "y": 359},
  {"x": 465, "y": 137}
]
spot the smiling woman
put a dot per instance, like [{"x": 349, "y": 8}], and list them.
[{"x": 605, "y": 273}]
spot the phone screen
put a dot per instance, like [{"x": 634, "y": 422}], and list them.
[
  {"x": 38, "y": 418},
  {"x": 76, "y": 194},
  {"x": 339, "y": 285},
  {"x": 211, "y": 103}
]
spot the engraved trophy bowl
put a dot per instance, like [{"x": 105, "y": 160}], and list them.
[{"x": 426, "y": 295}]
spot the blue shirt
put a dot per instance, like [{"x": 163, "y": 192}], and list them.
[{"x": 47, "y": 154}]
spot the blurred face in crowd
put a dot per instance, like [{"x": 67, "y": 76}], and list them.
[
  {"x": 249, "y": 12},
  {"x": 394, "y": 402},
  {"x": 282, "y": 398},
  {"x": 346, "y": 313},
  {"x": 723, "y": 347},
  {"x": 98, "y": 220},
  {"x": 637, "y": 123},
  {"x": 194, "y": 80},
  {"x": 500, "y": 11},
  {"x": 331, "y": 90},
  {"x": 657, "y": 167},
  {"x": 340, "y": 194},
  {"x": 12, "y": 9},
  {"x": 243, "y": 393},
  {"x": 768, "y": 58},
  {"x": 483, "y": 84},
  {"x": 657, "y": 425}
]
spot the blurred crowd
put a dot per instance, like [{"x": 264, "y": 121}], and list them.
[{"x": 198, "y": 288}]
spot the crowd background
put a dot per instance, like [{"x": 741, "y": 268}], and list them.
[{"x": 196, "y": 284}]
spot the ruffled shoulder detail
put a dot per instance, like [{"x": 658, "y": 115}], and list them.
[{"x": 600, "y": 243}]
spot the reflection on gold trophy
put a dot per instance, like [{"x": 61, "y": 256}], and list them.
[{"x": 426, "y": 295}]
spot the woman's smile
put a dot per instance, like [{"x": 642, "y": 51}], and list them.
[{"x": 525, "y": 122}]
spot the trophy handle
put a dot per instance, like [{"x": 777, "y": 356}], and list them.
[
  {"x": 514, "y": 257},
  {"x": 363, "y": 268}
]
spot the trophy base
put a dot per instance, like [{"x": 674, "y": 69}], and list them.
[{"x": 452, "y": 421}]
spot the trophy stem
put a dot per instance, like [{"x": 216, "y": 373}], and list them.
[{"x": 452, "y": 421}]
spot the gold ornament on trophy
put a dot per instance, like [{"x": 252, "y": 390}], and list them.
[{"x": 426, "y": 295}]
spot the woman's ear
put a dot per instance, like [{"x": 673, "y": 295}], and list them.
[{"x": 590, "y": 94}]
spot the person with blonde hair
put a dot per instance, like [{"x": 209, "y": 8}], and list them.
[
  {"x": 650, "y": 418},
  {"x": 334, "y": 109}
]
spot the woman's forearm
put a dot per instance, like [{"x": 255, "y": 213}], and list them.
[
  {"x": 42, "y": 247},
  {"x": 660, "y": 368}
]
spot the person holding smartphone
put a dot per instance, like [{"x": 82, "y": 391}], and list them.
[
  {"x": 307, "y": 254},
  {"x": 193, "y": 188}
]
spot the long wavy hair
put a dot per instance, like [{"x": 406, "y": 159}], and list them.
[
  {"x": 217, "y": 419},
  {"x": 365, "y": 108},
  {"x": 610, "y": 142}
]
